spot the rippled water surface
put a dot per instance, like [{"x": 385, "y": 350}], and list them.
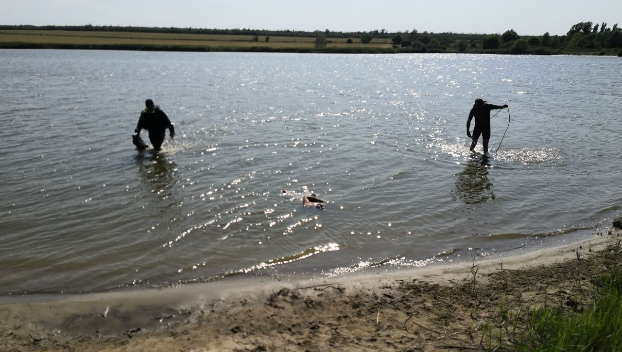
[{"x": 381, "y": 138}]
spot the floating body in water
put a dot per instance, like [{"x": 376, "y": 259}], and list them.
[
  {"x": 313, "y": 201},
  {"x": 308, "y": 201}
]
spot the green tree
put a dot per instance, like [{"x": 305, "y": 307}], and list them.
[
  {"x": 349, "y": 41},
  {"x": 584, "y": 27},
  {"x": 577, "y": 41},
  {"x": 534, "y": 41},
  {"x": 546, "y": 39},
  {"x": 614, "y": 39},
  {"x": 425, "y": 38},
  {"x": 255, "y": 38},
  {"x": 434, "y": 43},
  {"x": 558, "y": 41},
  {"x": 366, "y": 39},
  {"x": 419, "y": 46},
  {"x": 461, "y": 45},
  {"x": 267, "y": 38},
  {"x": 397, "y": 39},
  {"x": 519, "y": 47},
  {"x": 413, "y": 36},
  {"x": 491, "y": 42},
  {"x": 595, "y": 29},
  {"x": 320, "y": 40},
  {"x": 574, "y": 29},
  {"x": 587, "y": 28},
  {"x": 509, "y": 36}
]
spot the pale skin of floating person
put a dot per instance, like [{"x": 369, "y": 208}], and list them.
[{"x": 313, "y": 201}]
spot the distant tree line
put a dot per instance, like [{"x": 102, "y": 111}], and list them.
[
  {"x": 583, "y": 37},
  {"x": 190, "y": 30}
]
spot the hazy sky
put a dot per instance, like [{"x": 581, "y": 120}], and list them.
[{"x": 527, "y": 17}]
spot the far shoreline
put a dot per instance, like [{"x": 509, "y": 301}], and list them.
[
  {"x": 265, "y": 49},
  {"x": 261, "y": 49},
  {"x": 582, "y": 39}
]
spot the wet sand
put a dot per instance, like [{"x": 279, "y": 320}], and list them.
[{"x": 443, "y": 307}]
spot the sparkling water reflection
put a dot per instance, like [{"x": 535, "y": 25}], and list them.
[{"x": 381, "y": 138}]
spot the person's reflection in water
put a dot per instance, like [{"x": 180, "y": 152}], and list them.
[
  {"x": 160, "y": 174},
  {"x": 472, "y": 184}
]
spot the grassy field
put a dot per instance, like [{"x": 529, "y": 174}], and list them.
[{"x": 64, "y": 39}]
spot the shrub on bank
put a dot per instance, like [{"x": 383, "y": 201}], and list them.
[{"x": 520, "y": 47}]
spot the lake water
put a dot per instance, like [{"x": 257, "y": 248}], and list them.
[{"x": 381, "y": 138}]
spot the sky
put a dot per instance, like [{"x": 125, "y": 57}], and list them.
[{"x": 527, "y": 17}]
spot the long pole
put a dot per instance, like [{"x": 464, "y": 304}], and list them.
[{"x": 506, "y": 130}]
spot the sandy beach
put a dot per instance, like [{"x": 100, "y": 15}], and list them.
[{"x": 442, "y": 307}]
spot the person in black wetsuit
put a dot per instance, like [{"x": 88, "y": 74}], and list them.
[
  {"x": 156, "y": 122},
  {"x": 481, "y": 111}
]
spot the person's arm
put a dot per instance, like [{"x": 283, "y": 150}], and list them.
[
  {"x": 495, "y": 107},
  {"x": 314, "y": 199},
  {"x": 306, "y": 202},
  {"x": 169, "y": 125},
  {"x": 469, "y": 123},
  {"x": 171, "y": 130},
  {"x": 139, "y": 125}
]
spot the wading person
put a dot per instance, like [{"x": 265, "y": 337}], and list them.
[
  {"x": 481, "y": 111},
  {"x": 156, "y": 122}
]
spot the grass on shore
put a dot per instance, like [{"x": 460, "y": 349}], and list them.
[
  {"x": 567, "y": 327},
  {"x": 597, "y": 329}
]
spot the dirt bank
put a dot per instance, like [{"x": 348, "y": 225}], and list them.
[{"x": 452, "y": 307}]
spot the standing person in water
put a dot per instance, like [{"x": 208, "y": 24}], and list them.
[
  {"x": 481, "y": 111},
  {"x": 156, "y": 122}
]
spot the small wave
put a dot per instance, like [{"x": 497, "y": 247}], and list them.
[
  {"x": 174, "y": 147},
  {"x": 514, "y": 236},
  {"x": 399, "y": 175},
  {"x": 447, "y": 253},
  {"x": 456, "y": 150},
  {"x": 529, "y": 155},
  {"x": 459, "y": 150},
  {"x": 395, "y": 262},
  {"x": 329, "y": 247}
]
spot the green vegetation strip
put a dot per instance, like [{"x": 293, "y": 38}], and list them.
[
  {"x": 568, "y": 327},
  {"x": 596, "y": 329},
  {"x": 583, "y": 38}
]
